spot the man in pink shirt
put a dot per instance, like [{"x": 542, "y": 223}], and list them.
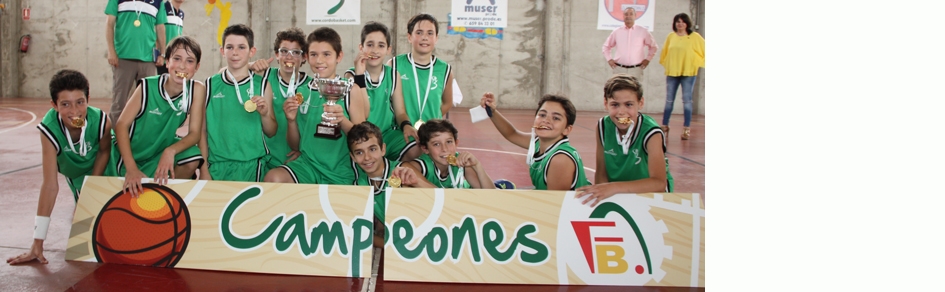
[{"x": 635, "y": 47}]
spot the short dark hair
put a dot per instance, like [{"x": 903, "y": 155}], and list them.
[
  {"x": 240, "y": 30},
  {"x": 685, "y": 18},
  {"x": 185, "y": 42},
  {"x": 362, "y": 132},
  {"x": 325, "y": 35},
  {"x": 66, "y": 80},
  {"x": 372, "y": 27},
  {"x": 292, "y": 34},
  {"x": 435, "y": 126},
  {"x": 569, "y": 111},
  {"x": 421, "y": 17},
  {"x": 620, "y": 82}
]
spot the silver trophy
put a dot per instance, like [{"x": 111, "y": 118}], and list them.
[{"x": 332, "y": 90}]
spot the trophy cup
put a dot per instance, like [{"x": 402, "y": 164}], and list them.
[{"x": 332, "y": 90}]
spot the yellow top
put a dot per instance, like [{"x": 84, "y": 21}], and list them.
[{"x": 683, "y": 55}]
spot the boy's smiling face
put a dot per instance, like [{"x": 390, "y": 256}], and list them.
[{"x": 323, "y": 59}]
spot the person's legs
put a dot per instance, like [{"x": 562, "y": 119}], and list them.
[
  {"x": 672, "y": 84},
  {"x": 123, "y": 82},
  {"x": 636, "y": 73},
  {"x": 687, "y": 86}
]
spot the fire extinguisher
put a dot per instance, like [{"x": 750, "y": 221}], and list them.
[{"x": 25, "y": 43}]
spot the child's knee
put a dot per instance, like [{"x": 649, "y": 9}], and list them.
[{"x": 277, "y": 175}]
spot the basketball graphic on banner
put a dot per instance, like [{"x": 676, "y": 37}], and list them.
[
  {"x": 152, "y": 229},
  {"x": 615, "y": 7}
]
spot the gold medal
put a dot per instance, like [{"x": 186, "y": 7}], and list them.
[
  {"x": 416, "y": 126},
  {"x": 78, "y": 122},
  {"x": 624, "y": 121},
  {"x": 182, "y": 75},
  {"x": 394, "y": 182},
  {"x": 249, "y": 106},
  {"x": 137, "y": 23},
  {"x": 452, "y": 160},
  {"x": 299, "y": 97}
]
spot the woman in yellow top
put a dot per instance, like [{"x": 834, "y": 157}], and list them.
[{"x": 682, "y": 56}]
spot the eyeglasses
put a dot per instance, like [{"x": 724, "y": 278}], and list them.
[{"x": 294, "y": 53}]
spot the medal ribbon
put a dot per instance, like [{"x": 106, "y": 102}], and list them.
[
  {"x": 416, "y": 82},
  {"x": 82, "y": 151},
  {"x": 237, "y": 85}
]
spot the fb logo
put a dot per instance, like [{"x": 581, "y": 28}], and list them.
[{"x": 607, "y": 251}]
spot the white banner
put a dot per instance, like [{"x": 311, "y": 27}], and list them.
[
  {"x": 324, "y": 12},
  {"x": 480, "y": 13},
  {"x": 610, "y": 13}
]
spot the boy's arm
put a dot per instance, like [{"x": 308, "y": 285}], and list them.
[
  {"x": 161, "y": 41},
  {"x": 447, "y": 95},
  {"x": 653, "y": 184},
  {"x": 47, "y": 200},
  {"x": 133, "y": 175},
  {"x": 560, "y": 172},
  {"x": 291, "y": 108},
  {"x": 204, "y": 149},
  {"x": 110, "y": 39},
  {"x": 266, "y": 114},
  {"x": 422, "y": 181},
  {"x": 365, "y": 103},
  {"x": 194, "y": 132},
  {"x": 600, "y": 176},
  {"x": 355, "y": 109},
  {"x": 400, "y": 111},
  {"x": 503, "y": 125},
  {"x": 104, "y": 148},
  {"x": 475, "y": 174}
]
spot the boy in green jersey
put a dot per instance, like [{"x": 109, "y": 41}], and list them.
[
  {"x": 74, "y": 143},
  {"x": 134, "y": 29},
  {"x": 146, "y": 133},
  {"x": 553, "y": 163},
  {"x": 440, "y": 163},
  {"x": 630, "y": 147},
  {"x": 239, "y": 117},
  {"x": 427, "y": 80},
  {"x": 174, "y": 26},
  {"x": 385, "y": 100},
  {"x": 323, "y": 160},
  {"x": 283, "y": 82}
]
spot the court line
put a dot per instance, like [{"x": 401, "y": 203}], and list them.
[
  {"x": 686, "y": 159},
  {"x": 21, "y": 169},
  {"x": 21, "y": 125},
  {"x": 513, "y": 153}
]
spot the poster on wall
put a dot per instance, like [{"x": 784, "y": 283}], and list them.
[
  {"x": 473, "y": 32},
  {"x": 544, "y": 238},
  {"x": 480, "y": 13},
  {"x": 610, "y": 13},
  {"x": 324, "y": 12}
]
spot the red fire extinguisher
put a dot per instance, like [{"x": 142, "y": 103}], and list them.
[{"x": 25, "y": 43}]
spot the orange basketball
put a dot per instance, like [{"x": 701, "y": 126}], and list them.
[{"x": 151, "y": 230}]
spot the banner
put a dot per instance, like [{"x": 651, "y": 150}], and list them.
[
  {"x": 473, "y": 32},
  {"x": 319, "y": 230},
  {"x": 324, "y": 12},
  {"x": 544, "y": 237},
  {"x": 480, "y": 13},
  {"x": 610, "y": 13}
]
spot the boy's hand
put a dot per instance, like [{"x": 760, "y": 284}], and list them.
[
  {"x": 112, "y": 59},
  {"x": 409, "y": 131},
  {"x": 407, "y": 176},
  {"x": 596, "y": 193},
  {"x": 133, "y": 182},
  {"x": 261, "y": 105},
  {"x": 291, "y": 108},
  {"x": 360, "y": 63},
  {"x": 35, "y": 253},
  {"x": 165, "y": 169},
  {"x": 292, "y": 156},
  {"x": 488, "y": 99},
  {"x": 205, "y": 172},
  {"x": 334, "y": 111},
  {"x": 260, "y": 66},
  {"x": 466, "y": 159}
]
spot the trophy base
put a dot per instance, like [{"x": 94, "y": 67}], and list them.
[{"x": 328, "y": 132}]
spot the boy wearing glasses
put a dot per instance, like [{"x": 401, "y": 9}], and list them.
[{"x": 283, "y": 82}]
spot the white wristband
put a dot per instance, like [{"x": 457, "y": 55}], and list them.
[{"x": 42, "y": 225}]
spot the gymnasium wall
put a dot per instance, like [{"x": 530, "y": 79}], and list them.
[{"x": 550, "y": 46}]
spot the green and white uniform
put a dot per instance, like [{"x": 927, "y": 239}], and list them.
[
  {"x": 382, "y": 112},
  {"x": 136, "y": 42},
  {"x": 539, "y": 169},
  {"x": 453, "y": 179},
  {"x": 278, "y": 145},
  {"x": 69, "y": 160},
  {"x": 361, "y": 178},
  {"x": 175, "y": 22},
  {"x": 235, "y": 138},
  {"x": 155, "y": 128},
  {"x": 323, "y": 160},
  {"x": 634, "y": 164},
  {"x": 422, "y": 87}
]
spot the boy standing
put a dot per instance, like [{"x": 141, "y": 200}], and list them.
[
  {"x": 282, "y": 84},
  {"x": 133, "y": 31},
  {"x": 174, "y": 26},
  {"x": 427, "y": 80}
]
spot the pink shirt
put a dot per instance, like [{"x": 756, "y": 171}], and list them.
[{"x": 630, "y": 43}]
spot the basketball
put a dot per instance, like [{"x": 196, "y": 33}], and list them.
[{"x": 151, "y": 230}]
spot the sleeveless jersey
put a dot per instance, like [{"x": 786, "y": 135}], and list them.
[
  {"x": 440, "y": 180},
  {"x": 329, "y": 157},
  {"x": 634, "y": 164},
  {"x": 136, "y": 42},
  {"x": 379, "y": 95},
  {"x": 175, "y": 22},
  {"x": 278, "y": 145},
  {"x": 539, "y": 169},
  {"x": 70, "y": 163},
  {"x": 361, "y": 178},
  {"x": 156, "y": 123},
  {"x": 414, "y": 93},
  {"x": 232, "y": 133}
]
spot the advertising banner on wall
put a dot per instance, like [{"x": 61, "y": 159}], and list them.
[
  {"x": 473, "y": 32},
  {"x": 544, "y": 237},
  {"x": 480, "y": 13},
  {"x": 318, "y": 230},
  {"x": 610, "y": 13},
  {"x": 324, "y": 12}
]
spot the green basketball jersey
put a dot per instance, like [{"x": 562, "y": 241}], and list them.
[
  {"x": 361, "y": 178},
  {"x": 136, "y": 42},
  {"x": 70, "y": 162},
  {"x": 328, "y": 156},
  {"x": 278, "y": 145},
  {"x": 379, "y": 95},
  {"x": 175, "y": 22},
  {"x": 634, "y": 164},
  {"x": 156, "y": 123},
  {"x": 232, "y": 133},
  {"x": 539, "y": 169},
  {"x": 439, "y": 179},
  {"x": 415, "y": 87}
]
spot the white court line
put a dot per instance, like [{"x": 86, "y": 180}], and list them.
[
  {"x": 21, "y": 125},
  {"x": 506, "y": 152}
]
